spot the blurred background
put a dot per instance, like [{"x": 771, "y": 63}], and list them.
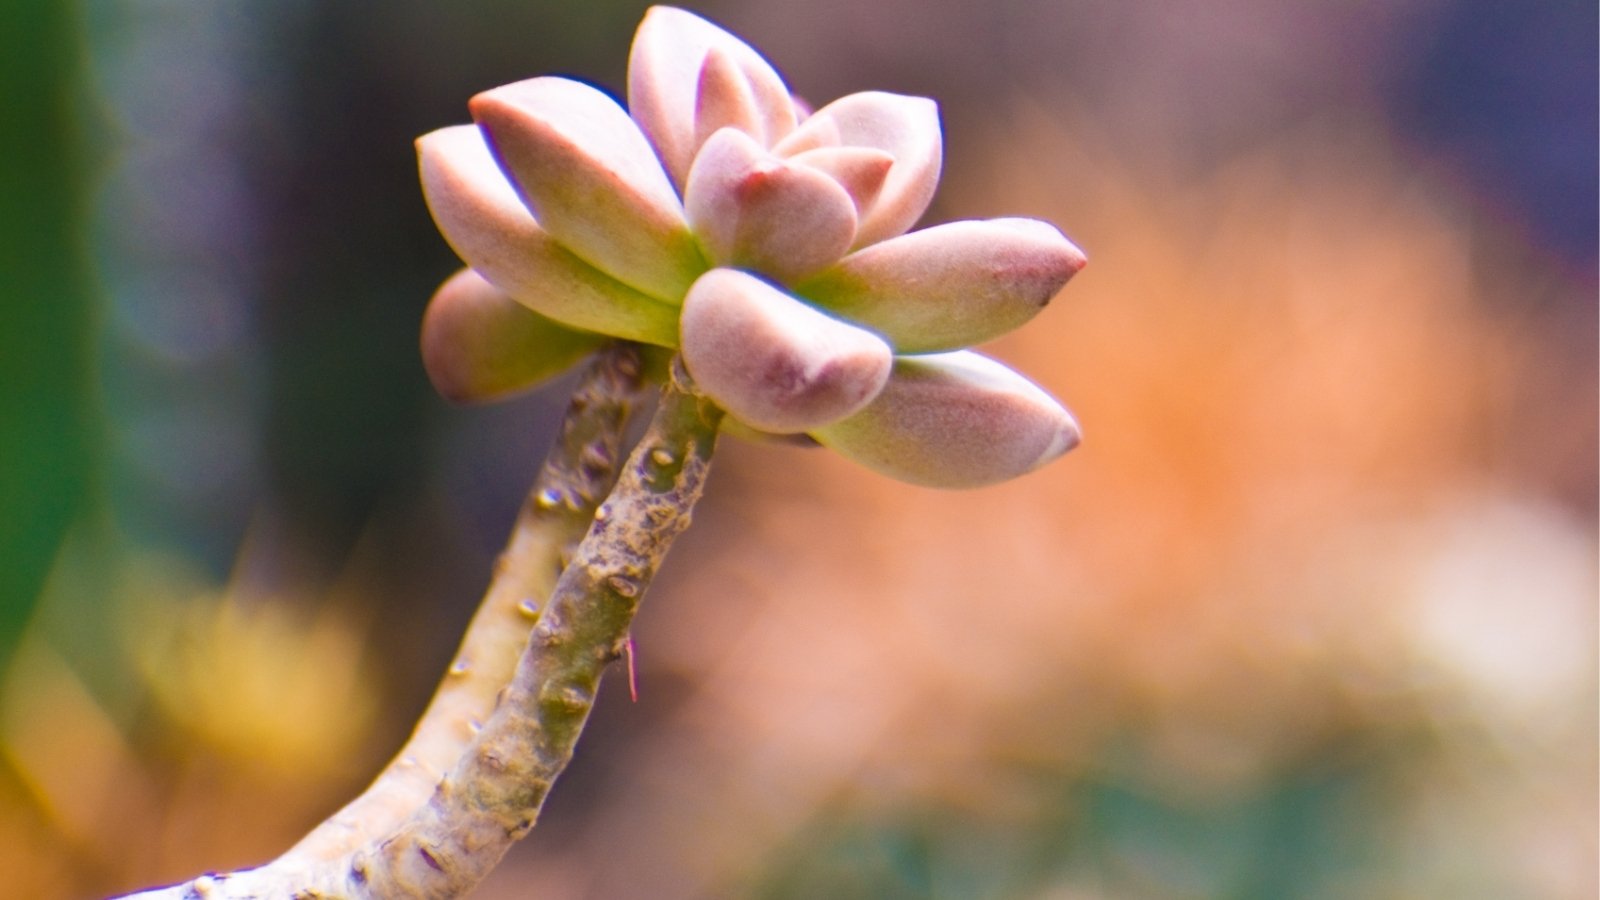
[{"x": 1311, "y": 614}]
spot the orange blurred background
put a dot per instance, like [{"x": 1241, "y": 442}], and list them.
[{"x": 1311, "y": 613}]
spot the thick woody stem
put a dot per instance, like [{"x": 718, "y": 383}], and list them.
[
  {"x": 492, "y": 795},
  {"x": 579, "y": 471}
]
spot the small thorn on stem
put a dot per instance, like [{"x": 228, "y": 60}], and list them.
[{"x": 633, "y": 672}]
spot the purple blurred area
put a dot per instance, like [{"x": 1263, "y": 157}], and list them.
[{"x": 1311, "y": 613}]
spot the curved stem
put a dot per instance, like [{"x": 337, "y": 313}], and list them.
[
  {"x": 579, "y": 471},
  {"x": 492, "y": 795}
]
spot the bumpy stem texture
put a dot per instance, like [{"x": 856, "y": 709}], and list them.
[
  {"x": 579, "y": 471},
  {"x": 492, "y": 795}
]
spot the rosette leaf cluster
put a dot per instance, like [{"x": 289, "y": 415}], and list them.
[{"x": 715, "y": 216}]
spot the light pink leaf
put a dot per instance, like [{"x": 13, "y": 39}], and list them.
[
  {"x": 479, "y": 345},
  {"x": 861, "y": 171},
  {"x": 487, "y": 225},
  {"x": 949, "y": 286},
  {"x": 592, "y": 180},
  {"x": 954, "y": 420},
  {"x": 664, "y": 78},
  {"x": 773, "y": 362},
  {"x": 724, "y": 100},
  {"x": 755, "y": 211},
  {"x": 907, "y": 128}
]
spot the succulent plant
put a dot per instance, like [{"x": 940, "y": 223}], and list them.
[
  {"x": 766, "y": 244},
  {"x": 767, "y": 248}
]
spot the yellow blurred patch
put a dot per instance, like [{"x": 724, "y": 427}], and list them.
[{"x": 256, "y": 679}]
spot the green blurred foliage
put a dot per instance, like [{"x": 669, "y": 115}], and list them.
[
  {"x": 45, "y": 289},
  {"x": 1316, "y": 829}
]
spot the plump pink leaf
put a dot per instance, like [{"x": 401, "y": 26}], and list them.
[
  {"x": 755, "y": 211},
  {"x": 724, "y": 100},
  {"x": 954, "y": 420},
  {"x": 949, "y": 286},
  {"x": 907, "y": 128},
  {"x": 478, "y": 344},
  {"x": 592, "y": 180},
  {"x": 773, "y": 362},
  {"x": 487, "y": 225},
  {"x": 664, "y": 78},
  {"x": 861, "y": 171}
]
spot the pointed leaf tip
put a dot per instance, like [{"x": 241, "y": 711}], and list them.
[
  {"x": 906, "y": 128},
  {"x": 949, "y": 286},
  {"x": 665, "y": 69},
  {"x": 723, "y": 99},
  {"x": 861, "y": 171},
  {"x": 954, "y": 420}
]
